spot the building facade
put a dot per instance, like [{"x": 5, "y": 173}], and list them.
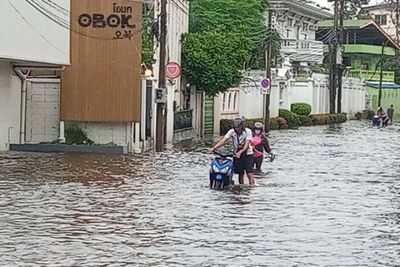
[
  {"x": 385, "y": 16},
  {"x": 296, "y": 23},
  {"x": 33, "y": 51}
]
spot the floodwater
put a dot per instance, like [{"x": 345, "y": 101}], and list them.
[{"x": 330, "y": 198}]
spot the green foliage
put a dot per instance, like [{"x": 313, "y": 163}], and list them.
[
  {"x": 323, "y": 119},
  {"x": 358, "y": 116},
  {"x": 305, "y": 120},
  {"x": 301, "y": 109},
  {"x": 76, "y": 136},
  {"x": 292, "y": 119},
  {"x": 147, "y": 38},
  {"x": 213, "y": 60},
  {"x": 226, "y": 37},
  {"x": 368, "y": 114}
]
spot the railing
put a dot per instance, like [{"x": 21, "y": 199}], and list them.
[
  {"x": 370, "y": 75},
  {"x": 292, "y": 45},
  {"x": 183, "y": 120}
]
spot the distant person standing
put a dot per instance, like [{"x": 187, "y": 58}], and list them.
[{"x": 390, "y": 113}]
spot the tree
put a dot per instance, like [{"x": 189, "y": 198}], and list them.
[
  {"x": 353, "y": 8},
  {"x": 232, "y": 31},
  {"x": 213, "y": 60}
]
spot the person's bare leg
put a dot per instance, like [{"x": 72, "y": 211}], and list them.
[{"x": 251, "y": 178}]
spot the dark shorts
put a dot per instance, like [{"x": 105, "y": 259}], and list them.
[
  {"x": 258, "y": 162},
  {"x": 244, "y": 163}
]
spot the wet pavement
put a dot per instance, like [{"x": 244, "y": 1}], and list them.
[{"x": 330, "y": 198}]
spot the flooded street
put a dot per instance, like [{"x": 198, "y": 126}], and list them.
[{"x": 330, "y": 198}]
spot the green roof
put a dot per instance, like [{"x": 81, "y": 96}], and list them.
[{"x": 346, "y": 23}]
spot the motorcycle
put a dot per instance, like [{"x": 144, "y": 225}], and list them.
[{"x": 221, "y": 169}]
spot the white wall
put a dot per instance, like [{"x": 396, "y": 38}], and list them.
[
  {"x": 28, "y": 35},
  {"x": 10, "y": 103},
  {"x": 177, "y": 24},
  {"x": 316, "y": 93}
]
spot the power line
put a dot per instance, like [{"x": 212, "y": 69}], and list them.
[{"x": 63, "y": 23}]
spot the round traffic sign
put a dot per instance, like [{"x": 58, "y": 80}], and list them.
[
  {"x": 172, "y": 70},
  {"x": 265, "y": 83}
]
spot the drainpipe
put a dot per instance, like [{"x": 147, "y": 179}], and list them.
[{"x": 23, "y": 77}]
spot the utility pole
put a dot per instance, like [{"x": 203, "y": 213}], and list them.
[
  {"x": 161, "y": 108},
  {"x": 268, "y": 58},
  {"x": 333, "y": 70},
  {"x": 381, "y": 74},
  {"x": 340, "y": 69},
  {"x": 397, "y": 21}
]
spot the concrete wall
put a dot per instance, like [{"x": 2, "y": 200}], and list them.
[
  {"x": 105, "y": 133},
  {"x": 177, "y": 24},
  {"x": 389, "y": 97},
  {"x": 284, "y": 92},
  {"x": 10, "y": 105},
  {"x": 316, "y": 93},
  {"x": 28, "y": 35}
]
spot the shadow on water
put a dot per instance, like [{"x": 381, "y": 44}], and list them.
[{"x": 331, "y": 198}]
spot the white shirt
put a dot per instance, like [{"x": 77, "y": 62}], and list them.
[{"x": 236, "y": 140}]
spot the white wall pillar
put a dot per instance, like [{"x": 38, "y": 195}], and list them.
[
  {"x": 170, "y": 113},
  {"x": 136, "y": 141},
  {"x": 62, "y": 132}
]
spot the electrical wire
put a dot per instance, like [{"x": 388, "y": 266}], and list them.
[
  {"x": 65, "y": 24},
  {"x": 36, "y": 30}
]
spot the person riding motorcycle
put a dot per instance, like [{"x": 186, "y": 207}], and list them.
[{"x": 240, "y": 137}]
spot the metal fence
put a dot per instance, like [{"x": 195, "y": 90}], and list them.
[{"x": 183, "y": 120}]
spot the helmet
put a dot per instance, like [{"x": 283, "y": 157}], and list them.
[
  {"x": 238, "y": 124},
  {"x": 258, "y": 126}
]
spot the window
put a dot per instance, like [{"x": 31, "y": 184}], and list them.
[
  {"x": 305, "y": 27},
  {"x": 381, "y": 19},
  {"x": 288, "y": 33},
  {"x": 290, "y": 22},
  {"x": 305, "y": 36}
]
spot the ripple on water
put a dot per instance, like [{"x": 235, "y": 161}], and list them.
[{"x": 331, "y": 198}]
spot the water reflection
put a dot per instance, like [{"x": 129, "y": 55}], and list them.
[{"x": 331, "y": 198}]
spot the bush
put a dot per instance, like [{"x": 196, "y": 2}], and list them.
[
  {"x": 358, "y": 116},
  {"x": 323, "y": 119},
  {"x": 305, "y": 120},
  {"x": 303, "y": 109},
  {"x": 292, "y": 119},
  {"x": 320, "y": 119},
  {"x": 368, "y": 114},
  {"x": 279, "y": 123},
  {"x": 76, "y": 136}
]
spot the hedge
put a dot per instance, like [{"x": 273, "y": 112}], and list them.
[
  {"x": 280, "y": 123},
  {"x": 368, "y": 114},
  {"x": 292, "y": 119},
  {"x": 302, "y": 109},
  {"x": 226, "y": 124},
  {"x": 322, "y": 119}
]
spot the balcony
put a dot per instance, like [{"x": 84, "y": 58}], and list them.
[
  {"x": 370, "y": 75},
  {"x": 302, "y": 50}
]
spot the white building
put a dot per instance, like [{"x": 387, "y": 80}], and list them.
[
  {"x": 33, "y": 48},
  {"x": 296, "y": 22},
  {"x": 385, "y": 16},
  {"x": 177, "y": 24}
]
